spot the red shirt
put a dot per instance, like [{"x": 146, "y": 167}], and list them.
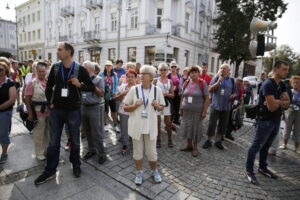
[{"x": 206, "y": 78}]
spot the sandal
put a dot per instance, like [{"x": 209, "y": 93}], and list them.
[
  {"x": 158, "y": 145},
  {"x": 170, "y": 144},
  {"x": 187, "y": 148}
]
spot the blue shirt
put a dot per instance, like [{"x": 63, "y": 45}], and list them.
[
  {"x": 119, "y": 72},
  {"x": 222, "y": 102}
]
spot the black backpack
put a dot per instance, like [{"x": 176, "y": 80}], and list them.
[{"x": 236, "y": 120}]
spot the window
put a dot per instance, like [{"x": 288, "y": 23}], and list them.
[
  {"x": 131, "y": 54},
  {"x": 200, "y": 29},
  {"x": 114, "y": 22},
  {"x": 199, "y": 58},
  {"x": 29, "y": 36},
  {"x": 25, "y": 37},
  {"x": 149, "y": 55},
  {"x": 97, "y": 24},
  {"x": 33, "y": 17},
  {"x": 59, "y": 31},
  {"x": 186, "y": 57},
  {"x": 70, "y": 29},
  {"x": 80, "y": 56},
  {"x": 39, "y": 34},
  {"x": 25, "y": 55},
  {"x": 134, "y": 19},
  {"x": 187, "y": 19},
  {"x": 21, "y": 38},
  {"x": 129, "y": 4},
  {"x": 49, "y": 56},
  {"x": 24, "y": 21},
  {"x": 112, "y": 54},
  {"x": 212, "y": 64},
  {"x": 28, "y": 19},
  {"x": 95, "y": 56},
  {"x": 33, "y": 35},
  {"x": 175, "y": 53},
  {"x": 82, "y": 27},
  {"x": 159, "y": 14},
  {"x": 50, "y": 34},
  {"x": 13, "y": 46},
  {"x": 11, "y": 37},
  {"x": 22, "y": 56},
  {"x": 38, "y": 15}
]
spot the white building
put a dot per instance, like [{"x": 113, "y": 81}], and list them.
[
  {"x": 8, "y": 37},
  {"x": 31, "y": 27},
  {"x": 151, "y": 31}
]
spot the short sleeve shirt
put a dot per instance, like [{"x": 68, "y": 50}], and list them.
[{"x": 4, "y": 93}]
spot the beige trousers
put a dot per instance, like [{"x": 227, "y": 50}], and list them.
[
  {"x": 150, "y": 148},
  {"x": 41, "y": 136}
]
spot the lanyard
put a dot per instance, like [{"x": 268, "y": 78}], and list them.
[
  {"x": 144, "y": 99},
  {"x": 223, "y": 83},
  {"x": 192, "y": 88},
  {"x": 63, "y": 73}
]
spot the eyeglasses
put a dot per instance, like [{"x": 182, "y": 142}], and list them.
[
  {"x": 163, "y": 70},
  {"x": 173, "y": 66},
  {"x": 130, "y": 76},
  {"x": 2, "y": 69}
]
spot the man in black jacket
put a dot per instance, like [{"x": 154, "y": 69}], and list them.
[{"x": 65, "y": 82}]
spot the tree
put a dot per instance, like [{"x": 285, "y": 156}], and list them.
[
  {"x": 233, "y": 34},
  {"x": 286, "y": 53},
  {"x": 5, "y": 54}
]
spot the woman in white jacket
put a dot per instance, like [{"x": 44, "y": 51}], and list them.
[{"x": 142, "y": 102}]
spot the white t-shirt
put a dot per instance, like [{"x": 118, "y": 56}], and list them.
[
  {"x": 28, "y": 78},
  {"x": 122, "y": 88},
  {"x": 138, "y": 125}
]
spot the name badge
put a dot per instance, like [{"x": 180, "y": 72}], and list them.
[
  {"x": 64, "y": 92},
  {"x": 83, "y": 96},
  {"x": 222, "y": 92},
  {"x": 296, "y": 107},
  {"x": 190, "y": 99},
  {"x": 235, "y": 102},
  {"x": 144, "y": 114}
]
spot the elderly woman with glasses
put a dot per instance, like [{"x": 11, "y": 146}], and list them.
[
  {"x": 8, "y": 95},
  {"x": 142, "y": 102}
]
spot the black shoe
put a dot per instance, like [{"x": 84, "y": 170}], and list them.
[
  {"x": 251, "y": 178},
  {"x": 207, "y": 144},
  {"x": 43, "y": 178},
  {"x": 267, "y": 173},
  {"x": 76, "y": 172},
  {"x": 102, "y": 159},
  {"x": 229, "y": 136},
  {"x": 88, "y": 155},
  {"x": 219, "y": 145}
]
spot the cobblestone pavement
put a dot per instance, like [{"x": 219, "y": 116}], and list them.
[{"x": 214, "y": 174}]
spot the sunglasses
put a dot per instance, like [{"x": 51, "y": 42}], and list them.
[
  {"x": 173, "y": 66},
  {"x": 2, "y": 69}
]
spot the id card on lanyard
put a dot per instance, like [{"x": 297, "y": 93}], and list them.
[
  {"x": 65, "y": 90},
  {"x": 223, "y": 84},
  {"x": 191, "y": 90},
  {"x": 145, "y": 101}
]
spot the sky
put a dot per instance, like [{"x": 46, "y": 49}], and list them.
[{"x": 287, "y": 32}]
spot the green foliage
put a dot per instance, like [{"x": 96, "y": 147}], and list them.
[
  {"x": 286, "y": 53},
  {"x": 5, "y": 54},
  {"x": 233, "y": 34}
]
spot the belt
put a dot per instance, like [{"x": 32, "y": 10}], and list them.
[{"x": 89, "y": 105}]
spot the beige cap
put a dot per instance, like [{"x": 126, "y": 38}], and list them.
[{"x": 108, "y": 62}]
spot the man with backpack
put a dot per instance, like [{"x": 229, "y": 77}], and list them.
[
  {"x": 68, "y": 79},
  {"x": 223, "y": 89},
  {"x": 273, "y": 98}
]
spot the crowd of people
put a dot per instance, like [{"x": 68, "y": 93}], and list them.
[{"x": 82, "y": 99}]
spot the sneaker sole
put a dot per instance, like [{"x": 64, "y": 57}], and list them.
[
  {"x": 49, "y": 178},
  {"x": 267, "y": 175},
  {"x": 249, "y": 179}
]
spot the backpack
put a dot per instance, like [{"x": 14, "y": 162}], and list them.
[
  {"x": 185, "y": 84},
  {"x": 236, "y": 119},
  {"x": 76, "y": 69},
  {"x": 232, "y": 82}
]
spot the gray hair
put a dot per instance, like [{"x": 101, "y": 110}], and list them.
[
  {"x": 89, "y": 64},
  {"x": 149, "y": 69},
  {"x": 225, "y": 65},
  {"x": 163, "y": 66}
]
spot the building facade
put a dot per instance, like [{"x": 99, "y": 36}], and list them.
[
  {"x": 151, "y": 31},
  {"x": 8, "y": 37},
  {"x": 31, "y": 29}
]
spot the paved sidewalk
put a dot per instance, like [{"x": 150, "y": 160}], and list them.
[{"x": 214, "y": 174}]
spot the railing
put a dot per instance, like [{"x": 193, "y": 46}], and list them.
[
  {"x": 65, "y": 38},
  {"x": 93, "y": 4},
  {"x": 67, "y": 11},
  {"x": 151, "y": 30},
  {"x": 91, "y": 36}
]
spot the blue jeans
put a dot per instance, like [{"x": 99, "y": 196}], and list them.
[
  {"x": 5, "y": 126},
  {"x": 266, "y": 131},
  {"x": 57, "y": 120}
]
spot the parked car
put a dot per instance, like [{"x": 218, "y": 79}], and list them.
[{"x": 252, "y": 80}]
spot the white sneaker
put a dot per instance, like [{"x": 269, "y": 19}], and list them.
[
  {"x": 283, "y": 146},
  {"x": 106, "y": 128},
  {"x": 41, "y": 157},
  {"x": 117, "y": 129}
]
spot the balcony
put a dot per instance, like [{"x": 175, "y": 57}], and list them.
[
  {"x": 93, "y": 4},
  {"x": 176, "y": 31},
  {"x": 67, "y": 11},
  {"x": 151, "y": 30},
  {"x": 91, "y": 37},
  {"x": 65, "y": 38}
]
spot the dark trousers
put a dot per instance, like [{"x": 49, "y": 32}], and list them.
[
  {"x": 176, "y": 106},
  {"x": 57, "y": 120},
  {"x": 266, "y": 131},
  {"x": 220, "y": 117}
]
